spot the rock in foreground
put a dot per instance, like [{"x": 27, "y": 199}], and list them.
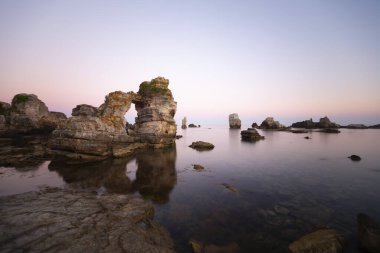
[
  {"x": 201, "y": 145},
  {"x": 251, "y": 134},
  {"x": 369, "y": 233},
  {"x": 234, "y": 121},
  {"x": 55, "y": 220},
  {"x": 320, "y": 241}
]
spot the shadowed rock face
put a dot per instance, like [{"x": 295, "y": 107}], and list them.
[
  {"x": 27, "y": 114},
  {"x": 56, "y": 220},
  {"x": 95, "y": 133}
]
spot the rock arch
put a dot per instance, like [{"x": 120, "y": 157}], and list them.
[{"x": 95, "y": 133}]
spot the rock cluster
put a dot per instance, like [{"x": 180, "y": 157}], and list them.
[
  {"x": 96, "y": 133},
  {"x": 55, "y": 220},
  {"x": 309, "y": 124},
  {"x": 26, "y": 114},
  {"x": 251, "y": 134},
  {"x": 270, "y": 123},
  {"x": 235, "y": 122}
]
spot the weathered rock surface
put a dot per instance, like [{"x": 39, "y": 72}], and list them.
[
  {"x": 95, "y": 133},
  {"x": 320, "y": 241},
  {"x": 234, "y": 121},
  {"x": 369, "y": 233},
  {"x": 28, "y": 114},
  {"x": 201, "y": 145},
  {"x": 184, "y": 123},
  {"x": 251, "y": 134},
  {"x": 309, "y": 124},
  {"x": 270, "y": 123},
  {"x": 55, "y": 220}
]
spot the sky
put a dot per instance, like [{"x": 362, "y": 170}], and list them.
[{"x": 290, "y": 59}]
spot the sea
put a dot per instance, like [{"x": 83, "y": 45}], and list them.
[{"x": 250, "y": 197}]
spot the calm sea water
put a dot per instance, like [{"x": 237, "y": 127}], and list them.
[{"x": 251, "y": 197}]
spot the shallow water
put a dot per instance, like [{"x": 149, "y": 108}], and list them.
[{"x": 277, "y": 189}]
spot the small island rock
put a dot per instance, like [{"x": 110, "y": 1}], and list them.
[
  {"x": 201, "y": 145},
  {"x": 355, "y": 157},
  {"x": 251, "y": 134}
]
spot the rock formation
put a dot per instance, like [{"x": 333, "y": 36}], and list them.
[
  {"x": 201, "y": 145},
  {"x": 323, "y": 123},
  {"x": 184, "y": 123},
  {"x": 28, "y": 114},
  {"x": 321, "y": 241},
  {"x": 254, "y": 125},
  {"x": 355, "y": 126},
  {"x": 251, "y": 134},
  {"x": 96, "y": 133},
  {"x": 234, "y": 121},
  {"x": 56, "y": 220},
  {"x": 270, "y": 123}
]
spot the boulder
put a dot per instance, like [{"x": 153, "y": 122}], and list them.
[
  {"x": 369, "y": 233},
  {"x": 201, "y": 145},
  {"x": 234, "y": 121},
  {"x": 103, "y": 132},
  {"x": 184, "y": 124},
  {"x": 326, "y": 123},
  {"x": 192, "y": 125},
  {"x": 198, "y": 167},
  {"x": 251, "y": 134},
  {"x": 254, "y": 125},
  {"x": 355, "y": 157},
  {"x": 270, "y": 123},
  {"x": 320, "y": 241}
]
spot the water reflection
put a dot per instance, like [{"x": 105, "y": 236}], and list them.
[{"x": 155, "y": 175}]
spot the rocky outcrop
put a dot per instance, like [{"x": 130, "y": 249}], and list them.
[
  {"x": 28, "y": 114},
  {"x": 184, "y": 123},
  {"x": 320, "y": 241},
  {"x": 369, "y": 233},
  {"x": 254, "y": 125},
  {"x": 96, "y": 133},
  {"x": 270, "y": 123},
  {"x": 201, "y": 145},
  {"x": 309, "y": 124},
  {"x": 377, "y": 126},
  {"x": 234, "y": 121},
  {"x": 251, "y": 134},
  {"x": 355, "y": 126},
  {"x": 55, "y": 220},
  {"x": 193, "y": 125}
]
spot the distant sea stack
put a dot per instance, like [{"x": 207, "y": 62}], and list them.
[
  {"x": 270, "y": 123},
  {"x": 184, "y": 123},
  {"x": 28, "y": 114},
  {"x": 96, "y": 133},
  {"x": 234, "y": 121},
  {"x": 309, "y": 124}
]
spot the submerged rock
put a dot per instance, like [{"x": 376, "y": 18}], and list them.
[
  {"x": 56, "y": 220},
  {"x": 28, "y": 114},
  {"x": 270, "y": 123},
  {"x": 95, "y": 133},
  {"x": 355, "y": 157},
  {"x": 201, "y": 145},
  {"x": 369, "y": 233},
  {"x": 251, "y": 135},
  {"x": 320, "y": 241},
  {"x": 234, "y": 121},
  {"x": 198, "y": 167}
]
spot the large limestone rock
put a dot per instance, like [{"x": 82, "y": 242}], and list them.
[
  {"x": 326, "y": 123},
  {"x": 96, "y": 133},
  {"x": 320, "y": 241},
  {"x": 184, "y": 123},
  {"x": 55, "y": 220},
  {"x": 27, "y": 113},
  {"x": 234, "y": 121},
  {"x": 270, "y": 123}
]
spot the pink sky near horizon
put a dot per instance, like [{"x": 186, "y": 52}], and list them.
[{"x": 291, "y": 60}]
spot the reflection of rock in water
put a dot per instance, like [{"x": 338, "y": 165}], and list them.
[
  {"x": 108, "y": 173},
  {"x": 156, "y": 174},
  {"x": 23, "y": 152}
]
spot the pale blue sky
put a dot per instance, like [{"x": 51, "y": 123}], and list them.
[{"x": 289, "y": 59}]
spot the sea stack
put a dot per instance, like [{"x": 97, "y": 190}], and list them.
[
  {"x": 234, "y": 121},
  {"x": 184, "y": 124}
]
